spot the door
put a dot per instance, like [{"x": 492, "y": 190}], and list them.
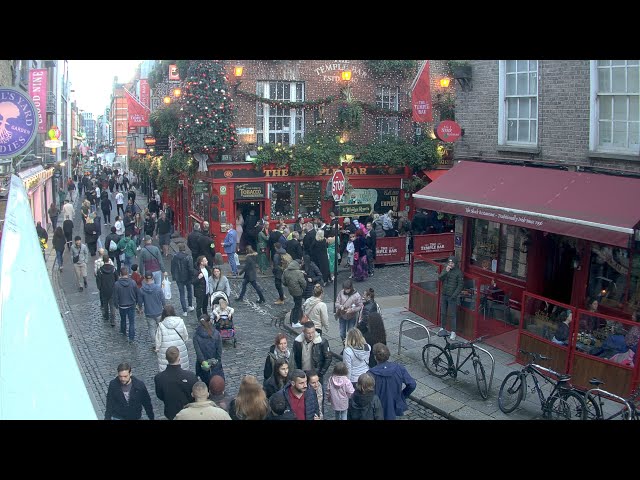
[
  {"x": 251, "y": 212},
  {"x": 560, "y": 253}
]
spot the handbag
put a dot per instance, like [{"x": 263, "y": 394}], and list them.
[
  {"x": 166, "y": 289},
  {"x": 76, "y": 258}
]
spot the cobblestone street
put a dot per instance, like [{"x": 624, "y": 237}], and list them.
[{"x": 100, "y": 347}]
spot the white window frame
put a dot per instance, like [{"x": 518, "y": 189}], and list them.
[
  {"x": 594, "y": 115},
  {"x": 384, "y": 124},
  {"x": 262, "y": 127},
  {"x": 502, "y": 107}
]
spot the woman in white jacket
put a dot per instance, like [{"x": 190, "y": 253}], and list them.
[
  {"x": 316, "y": 310},
  {"x": 356, "y": 355},
  {"x": 171, "y": 332}
]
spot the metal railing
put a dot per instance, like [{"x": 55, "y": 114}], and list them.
[{"x": 415, "y": 323}]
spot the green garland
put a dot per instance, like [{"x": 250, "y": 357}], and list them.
[{"x": 379, "y": 68}]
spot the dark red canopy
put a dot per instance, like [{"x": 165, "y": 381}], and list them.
[{"x": 602, "y": 208}]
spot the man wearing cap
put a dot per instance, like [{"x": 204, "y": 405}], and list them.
[
  {"x": 452, "y": 282},
  {"x": 150, "y": 261},
  {"x": 152, "y": 298}
]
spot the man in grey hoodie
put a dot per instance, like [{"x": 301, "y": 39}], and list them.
[
  {"x": 452, "y": 282},
  {"x": 125, "y": 296},
  {"x": 152, "y": 297},
  {"x": 293, "y": 278}
]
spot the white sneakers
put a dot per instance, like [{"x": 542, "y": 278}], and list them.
[
  {"x": 190, "y": 309},
  {"x": 296, "y": 325},
  {"x": 184, "y": 314}
]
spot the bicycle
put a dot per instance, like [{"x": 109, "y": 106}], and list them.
[
  {"x": 562, "y": 403},
  {"x": 594, "y": 400},
  {"x": 439, "y": 361}
]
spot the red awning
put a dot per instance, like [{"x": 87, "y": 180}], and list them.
[
  {"x": 435, "y": 174},
  {"x": 602, "y": 208}
]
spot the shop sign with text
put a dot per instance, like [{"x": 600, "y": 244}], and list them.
[
  {"x": 435, "y": 243},
  {"x": 249, "y": 191},
  {"x": 354, "y": 209},
  {"x": 19, "y": 121},
  {"x": 391, "y": 250}
]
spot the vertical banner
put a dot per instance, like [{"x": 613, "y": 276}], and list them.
[
  {"x": 173, "y": 72},
  {"x": 38, "y": 93},
  {"x": 421, "y": 96},
  {"x": 138, "y": 113},
  {"x": 144, "y": 92}
]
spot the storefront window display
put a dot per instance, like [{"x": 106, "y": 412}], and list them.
[
  {"x": 485, "y": 236},
  {"x": 282, "y": 198},
  {"x": 200, "y": 205},
  {"x": 309, "y": 199},
  {"x": 614, "y": 276},
  {"x": 500, "y": 248}
]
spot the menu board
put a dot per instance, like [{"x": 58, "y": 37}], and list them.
[{"x": 309, "y": 199}]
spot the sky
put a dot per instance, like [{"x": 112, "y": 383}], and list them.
[{"x": 92, "y": 81}]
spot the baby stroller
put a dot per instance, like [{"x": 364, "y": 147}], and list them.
[
  {"x": 216, "y": 296},
  {"x": 223, "y": 319}
]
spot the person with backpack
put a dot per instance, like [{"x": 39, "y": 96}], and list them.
[
  {"x": 365, "y": 404},
  {"x": 106, "y": 280},
  {"x": 182, "y": 272},
  {"x": 111, "y": 246},
  {"x": 127, "y": 246}
]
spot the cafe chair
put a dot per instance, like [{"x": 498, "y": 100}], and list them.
[{"x": 501, "y": 306}]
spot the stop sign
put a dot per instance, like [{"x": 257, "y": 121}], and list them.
[{"x": 337, "y": 185}]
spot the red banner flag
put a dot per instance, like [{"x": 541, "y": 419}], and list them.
[
  {"x": 138, "y": 113},
  {"x": 421, "y": 97},
  {"x": 38, "y": 93},
  {"x": 144, "y": 92}
]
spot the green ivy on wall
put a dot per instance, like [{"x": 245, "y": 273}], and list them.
[{"x": 379, "y": 68}]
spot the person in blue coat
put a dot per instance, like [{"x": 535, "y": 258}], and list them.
[
  {"x": 229, "y": 245},
  {"x": 389, "y": 378},
  {"x": 208, "y": 345}
]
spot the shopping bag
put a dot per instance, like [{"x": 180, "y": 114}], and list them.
[
  {"x": 166, "y": 288},
  {"x": 236, "y": 259}
]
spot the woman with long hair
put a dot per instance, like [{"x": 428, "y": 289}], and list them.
[
  {"x": 369, "y": 306},
  {"x": 208, "y": 345},
  {"x": 356, "y": 355},
  {"x": 312, "y": 275},
  {"x": 360, "y": 265},
  {"x": 59, "y": 241},
  {"x": 171, "y": 332},
  {"x": 279, "y": 379},
  {"x": 279, "y": 349},
  {"x": 251, "y": 402},
  {"x": 376, "y": 333}
]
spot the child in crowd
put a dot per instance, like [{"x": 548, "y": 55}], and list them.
[
  {"x": 135, "y": 276},
  {"x": 351, "y": 251},
  {"x": 340, "y": 390}
]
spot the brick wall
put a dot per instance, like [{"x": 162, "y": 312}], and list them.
[
  {"x": 5, "y": 73},
  {"x": 322, "y": 79},
  {"x": 563, "y": 115}
]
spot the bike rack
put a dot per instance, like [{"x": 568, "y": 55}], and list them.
[
  {"x": 415, "y": 323},
  {"x": 493, "y": 364}
]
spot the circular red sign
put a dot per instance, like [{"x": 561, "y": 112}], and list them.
[
  {"x": 337, "y": 185},
  {"x": 448, "y": 131}
]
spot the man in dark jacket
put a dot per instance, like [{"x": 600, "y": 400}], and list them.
[
  {"x": 309, "y": 238},
  {"x": 293, "y": 246},
  {"x": 250, "y": 277},
  {"x": 67, "y": 228},
  {"x": 452, "y": 283},
  {"x": 193, "y": 242},
  {"x": 105, "y": 205},
  {"x": 173, "y": 385},
  {"x": 390, "y": 377},
  {"x": 207, "y": 248},
  {"x": 42, "y": 233},
  {"x": 310, "y": 350},
  {"x": 114, "y": 255},
  {"x": 125, "y": 295},
  {"x": 106, "y": 280},
  {"x": 370, "y": 242},
  {"x": 126, "y": 397},
  {"x": 182, "y": 272},
  {"x": 293, "y": 278},
  {"x": 419, "y": 223},
  {"x": 300, "y": 399},
  {"x": 277, "y": 273}
]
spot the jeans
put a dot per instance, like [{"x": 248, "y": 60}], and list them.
[
  {"x": 157, "y": 277},
  {"x": 341, "y": 414},
  {"x": 201, "y": 305},
  {"x": 278, "y": 282},
  {"x": 131, "y": 313},
  {"x": 181, "y": 288},
  {"x": 109, "y": 311},
  {"x": 120, "y": 206},
  {"x": 129, "y": 260},
  {"x": 54, "y": 221},
  {"x": 232, "y": 263},
  {"x": 448, "y": 304},
  {"x": 254, "y": 284},
  {"x": 296, "y": 313},
  {"x": 59, "y": 258},
  {"x": 345, "y": 326},
  {"x": 152, "y": 326}
]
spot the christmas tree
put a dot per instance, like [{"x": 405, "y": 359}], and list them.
[{"x": 205, "y": 119}]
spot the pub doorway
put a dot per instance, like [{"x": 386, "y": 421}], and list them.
[
  {"x": 560, "y": 253},
  {"x": 251, "y": 212}
]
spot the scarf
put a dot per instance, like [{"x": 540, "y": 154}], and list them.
[
  {"x": 206, "y": 279},
  {"x": 279, "y": 354}
]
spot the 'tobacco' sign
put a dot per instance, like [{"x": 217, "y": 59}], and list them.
[{"x": 337, "y": 185}]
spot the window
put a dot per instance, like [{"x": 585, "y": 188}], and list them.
[
  {"x": 388, "y": 98},
  {"x": 309, "y": 199},
  {"x": 615, "y": 90},
  {"x": 282, "y": 200},
  {"x": 614, "y": 276},
  {"x": 279, "y": 124},
  {"x": 500, "y": 248},
  {"x": 518, "y": 108}
]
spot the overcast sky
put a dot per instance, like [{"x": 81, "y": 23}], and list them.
[{"x": 92, "y": 81}]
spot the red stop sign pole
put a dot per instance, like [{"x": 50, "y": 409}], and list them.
[{"x": 337, "y": 185}]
